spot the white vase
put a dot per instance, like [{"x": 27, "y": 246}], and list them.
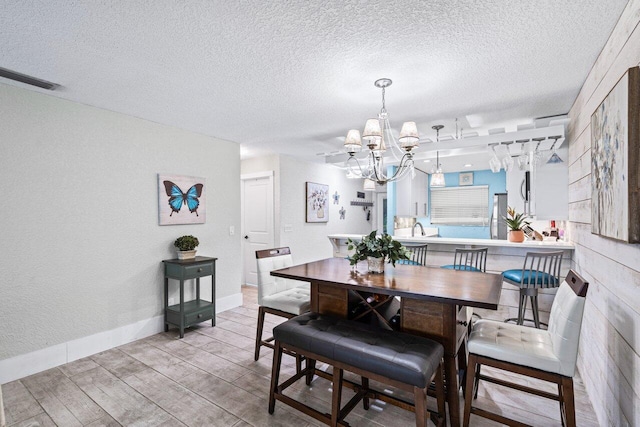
[
  {"x": 375, "y": 265},
  {"x": 187, "y": 254}
]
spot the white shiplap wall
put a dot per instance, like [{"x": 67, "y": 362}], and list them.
[{"x": 610, "y": 341}]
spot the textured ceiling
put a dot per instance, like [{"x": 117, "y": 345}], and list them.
[{"x": 294, "y": 76}]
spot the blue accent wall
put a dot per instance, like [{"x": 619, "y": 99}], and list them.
[{"x": 497, "y": 183}]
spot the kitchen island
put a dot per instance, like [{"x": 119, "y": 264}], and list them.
[{"x": 502, "y": 255}]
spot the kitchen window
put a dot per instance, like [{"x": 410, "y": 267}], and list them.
[{"x": 460, "y": 205}]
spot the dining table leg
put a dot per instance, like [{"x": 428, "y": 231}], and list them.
[{"x": 451, "y": 380}]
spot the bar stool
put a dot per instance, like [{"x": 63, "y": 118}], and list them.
[
  {"x": 418, "y": 255},
  {"x": 465, "y": 259},
  {"x": 469, "y": 260},
  {"x": 540, "y": 270}
]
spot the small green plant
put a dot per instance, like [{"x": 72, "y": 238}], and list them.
[
  {"x": 515, "y": 221},
  {"x": 382, "y": 246},
  {"x": 186, "y": 243}
]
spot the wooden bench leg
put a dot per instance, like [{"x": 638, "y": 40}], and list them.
[
  {"x": 259, "y": 332},
  {"x": 440, "y": 394},
  {"x": 365, "y": 399},
  {"x": 275, "y": 374},
  {"x": 298, "y": 363},
  {"x": 311, "y": 366},
  {"x": 336, "y": 396},
  {"x": 420, "y": 400}
]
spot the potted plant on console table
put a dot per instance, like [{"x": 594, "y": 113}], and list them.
[
  {"x": 377, "y": 249},
  {"x": 186, "y": 246},
  {"x": 515, "y": 222}
]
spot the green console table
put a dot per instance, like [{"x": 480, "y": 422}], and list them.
[{"x": 189, "y": 313}]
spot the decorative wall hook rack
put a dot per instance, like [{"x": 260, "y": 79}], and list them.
[{"x": 365, "y": 203}]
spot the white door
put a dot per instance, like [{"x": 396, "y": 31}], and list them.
[{"x": 257, "y": 221}]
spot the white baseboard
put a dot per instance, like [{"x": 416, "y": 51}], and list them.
[
  {"x": 27, "y": 364},
  {"x": 227, "y": 303}
]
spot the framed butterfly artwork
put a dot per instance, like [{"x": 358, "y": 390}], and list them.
[{"x": 181, "y": 200}]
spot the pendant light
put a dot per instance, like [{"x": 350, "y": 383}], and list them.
[{"x": 437, "y": 179}]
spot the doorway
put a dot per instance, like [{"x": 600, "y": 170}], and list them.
[
  {"x": 381, "y": 212},
  {"x": 257, "y": 220}
]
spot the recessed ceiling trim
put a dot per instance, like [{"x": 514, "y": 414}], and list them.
[{"x": 23, "y": 78}]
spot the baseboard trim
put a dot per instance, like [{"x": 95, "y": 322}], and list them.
[{"x": 27, "y": 364}]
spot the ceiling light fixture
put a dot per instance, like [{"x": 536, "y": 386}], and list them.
[
  {"x": 376, "y": 134},
  {"x": 437, "y": 179}
]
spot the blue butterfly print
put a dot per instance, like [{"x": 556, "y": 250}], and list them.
[{"x": 177, "y": 198}]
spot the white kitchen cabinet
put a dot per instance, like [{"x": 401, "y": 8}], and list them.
[
  {"x": 412, "y": 195},
  {"x": 549, "y": 190}
]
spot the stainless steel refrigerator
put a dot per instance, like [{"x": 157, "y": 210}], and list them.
[{"x": 498, "y": 212}]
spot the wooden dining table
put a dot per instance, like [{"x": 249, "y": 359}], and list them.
[{"x": 432, "y": 302}]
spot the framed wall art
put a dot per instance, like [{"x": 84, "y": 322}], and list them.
[
  {"x": 181, "y": 200},
  {"x": 615, "y": 161},
  {"x": 465, "y": 178},
  {"x": 317, "y": 202}
]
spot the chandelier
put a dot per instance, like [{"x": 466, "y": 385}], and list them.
[{"x": 377, "y": 137}]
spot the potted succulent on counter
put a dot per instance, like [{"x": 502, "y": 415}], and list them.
[
  {"x": 186, "y": 246},
  {"x": 515, "y": 222},
  {"x": 377, "y": 249}
]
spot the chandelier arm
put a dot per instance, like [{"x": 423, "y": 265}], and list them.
[
  {"x": 406, "y": 165},
  {"x": 378, "y": 172},
  {"x": 359, "y": 172}
]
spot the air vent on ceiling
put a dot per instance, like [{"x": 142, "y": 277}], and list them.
[{"x": 23, "y": 78}]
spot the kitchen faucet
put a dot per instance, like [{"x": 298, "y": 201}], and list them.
[{"x": 413, "y": 229}]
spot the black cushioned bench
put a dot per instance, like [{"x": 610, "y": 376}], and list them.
[{"x": 401, "y": 360}]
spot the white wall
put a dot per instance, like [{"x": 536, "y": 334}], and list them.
[
  {"x": 81, "y": 246},
  {"x": 610, "y": 341},
  {"x": 308, "y": 241}
]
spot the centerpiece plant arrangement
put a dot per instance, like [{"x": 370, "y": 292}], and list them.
[
  {"x": 186, "y": 246},
  {"x": 376, "y": 250},
  {"x": 515, "y": 222}
]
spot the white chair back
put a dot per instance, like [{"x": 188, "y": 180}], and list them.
[
  {"x": 269, "y": 260},
  {"x": 565, "y": 323}
]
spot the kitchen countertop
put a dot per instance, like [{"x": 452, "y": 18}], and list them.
[{"x": 467, "y": 242}]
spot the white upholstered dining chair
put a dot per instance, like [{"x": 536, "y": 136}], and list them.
[
  {"x": 276, "y": 295},
  {"x": 549, "y": 355}
]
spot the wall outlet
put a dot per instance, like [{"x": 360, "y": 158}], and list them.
[
  {"x": 172, "y": 301},
  {"x": 288, "y": 228},
  {"x": 232, "y": 230}
]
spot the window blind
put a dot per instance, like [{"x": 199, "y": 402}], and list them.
[{"x": 460, "y": 205}]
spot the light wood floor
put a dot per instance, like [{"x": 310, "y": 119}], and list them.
[{"x": 209, "y": 378}]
